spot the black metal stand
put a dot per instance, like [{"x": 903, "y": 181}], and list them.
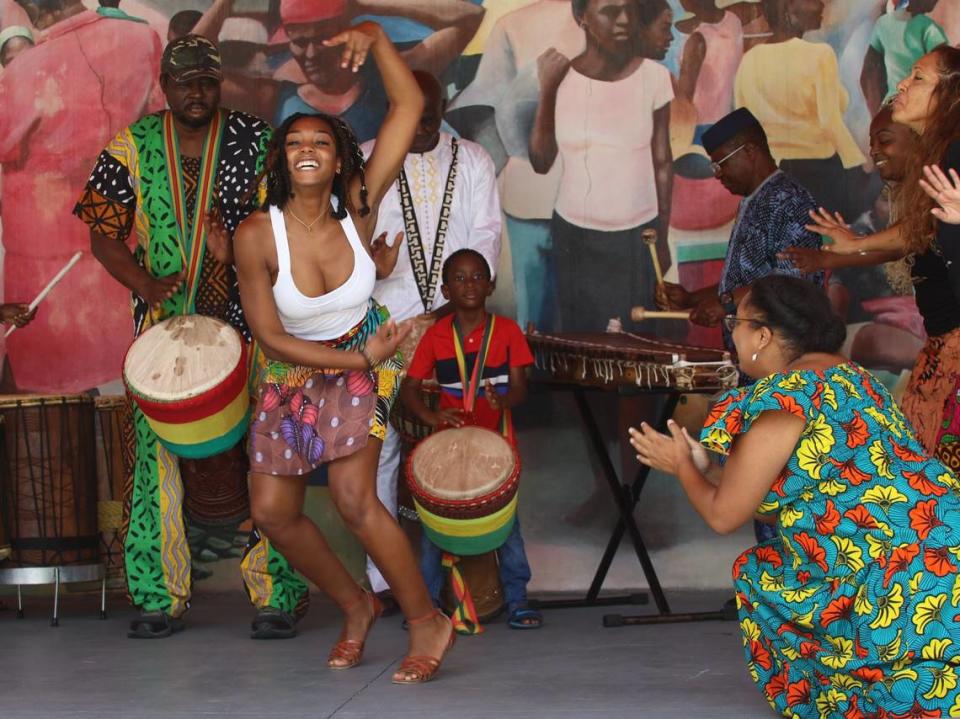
[{"x": 626, "y": 498}]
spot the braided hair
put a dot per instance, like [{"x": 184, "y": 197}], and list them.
[{"x": 279, "y": 189}]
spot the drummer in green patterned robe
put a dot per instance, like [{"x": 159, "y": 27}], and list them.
[{"x": 170, "y": 178}]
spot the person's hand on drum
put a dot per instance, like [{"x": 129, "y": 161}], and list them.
[
  {"x": 835, "y": 227},
  {"x": 218, "y": 239},
  {"x": 809, "y": 260},
  {"x": 157, "y": 290},
  {"x": 385, "y": 342},
  {"x": 356, "y": 42},
  {"x": 670, "y": 296},
  {"x": 708, "y": 313},
  {"x": 385, "y": 255},
  {"x": 493, "y": 397},
  {"x": 449, "y": 417},
  {"x": 18, "y": 314},
  {"x": 668, "y": 453},
  {"x": 946, "y": 192}
]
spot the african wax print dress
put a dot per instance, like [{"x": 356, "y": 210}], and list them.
[{"x": 852, "y": 610}]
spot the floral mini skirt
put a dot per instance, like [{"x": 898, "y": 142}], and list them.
[{"x": 308, "y": 416}]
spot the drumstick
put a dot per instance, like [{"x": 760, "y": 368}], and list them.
[
  {"x": 639, "y": 314},
  {"x": 50, "y": 285},
  {"x": 649, "y": 236}
]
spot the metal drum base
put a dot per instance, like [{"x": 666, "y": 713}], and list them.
[{"x": 56, "y": 576}]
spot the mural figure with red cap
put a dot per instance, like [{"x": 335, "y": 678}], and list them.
[{"x": 313, "y": 80}]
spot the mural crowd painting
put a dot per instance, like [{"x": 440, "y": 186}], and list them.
[{"x": 584, "y": 164}]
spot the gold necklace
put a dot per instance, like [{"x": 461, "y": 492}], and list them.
[{"x": 308, "y": 226}]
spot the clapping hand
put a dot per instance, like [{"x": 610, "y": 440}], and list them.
[
  {"x": 668, "y": 453},
  {"x": 946, "y": 192}
]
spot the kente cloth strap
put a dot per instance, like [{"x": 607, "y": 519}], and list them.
[
  {"x": 192, "y": 233},
  {"x": 472, "y": 384},
  {"x": 465, "y": 619},
  {"x": 427, "y": 282}
]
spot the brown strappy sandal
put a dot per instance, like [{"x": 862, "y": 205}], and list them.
[
  {"x": 350, "y": 651},
  {"x": 423, "y": 667}
]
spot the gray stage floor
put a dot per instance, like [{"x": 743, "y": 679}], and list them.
[{"x": 573, "y": 667}]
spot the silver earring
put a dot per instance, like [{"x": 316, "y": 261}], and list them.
[{"x": 753, "y": 358}]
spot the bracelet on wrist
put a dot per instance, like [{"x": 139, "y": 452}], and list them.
[{"x": 371, "y": 363}]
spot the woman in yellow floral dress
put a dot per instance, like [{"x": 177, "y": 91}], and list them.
[{"x": 852, "y": 610}]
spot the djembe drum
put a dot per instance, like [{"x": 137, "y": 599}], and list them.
[
  {"x": 188, "y": 375},
  {"x": 609, "y": 359},
  {"x": 115, "y": 457},
  {"x": 215, "y": 488},
  {"x": 48, "y": 487},
  {"x": 464, "y": 484}
]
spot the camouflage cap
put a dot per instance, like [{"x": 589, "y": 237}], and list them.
[{"x": 190, "y": 57}]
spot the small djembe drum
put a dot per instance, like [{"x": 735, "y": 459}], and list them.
[
  {"x": 464, "y": 485},
  {"x": 188, "y": 375}
]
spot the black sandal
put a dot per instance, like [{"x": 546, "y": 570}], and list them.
[
  {"x": 273, "y": 624},
  {"x": 523, "y": 616},
  {"x": 154, "y": 625}
]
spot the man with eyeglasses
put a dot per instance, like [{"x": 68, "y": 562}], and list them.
[{"x": 772, "y": 216}]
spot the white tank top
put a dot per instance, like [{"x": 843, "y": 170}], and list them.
[{"x": 330, "y": 315}]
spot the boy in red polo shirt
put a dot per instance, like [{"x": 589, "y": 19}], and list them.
[{"x": 502, "y": 384}]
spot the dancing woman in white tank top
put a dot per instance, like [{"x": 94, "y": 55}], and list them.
[{"x": 306, "y": 268}]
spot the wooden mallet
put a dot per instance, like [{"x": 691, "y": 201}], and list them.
[
  {"x": 649, "y": 236},
  {"x": 639, "y": 314}
]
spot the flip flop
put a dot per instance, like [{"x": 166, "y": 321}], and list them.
[
  {"x": 521, "y": 613},
  {"x": 154, "y": 625},
  {"x": 273, "y": 624}
]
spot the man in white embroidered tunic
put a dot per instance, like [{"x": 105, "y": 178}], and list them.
[{"x": 442, "y": 177}]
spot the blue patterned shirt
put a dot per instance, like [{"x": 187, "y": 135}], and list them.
[{"x": 769, "y": 221}]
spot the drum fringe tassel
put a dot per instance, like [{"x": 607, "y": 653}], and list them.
[{"x": 465, "y": 619}]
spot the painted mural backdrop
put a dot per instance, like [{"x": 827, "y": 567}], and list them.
[{"x": 84, "y": 76}]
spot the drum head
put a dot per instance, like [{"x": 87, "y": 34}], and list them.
[
  {"x": 463, "y": 463},
  {"x": 182, "y": 357}
]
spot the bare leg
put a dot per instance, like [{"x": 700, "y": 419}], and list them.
[
  {"x": 277, "y": 507},
  {"x": 353, "y": 489}
]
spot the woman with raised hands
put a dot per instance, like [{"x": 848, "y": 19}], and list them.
[{"x": 306, "y": 267}]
